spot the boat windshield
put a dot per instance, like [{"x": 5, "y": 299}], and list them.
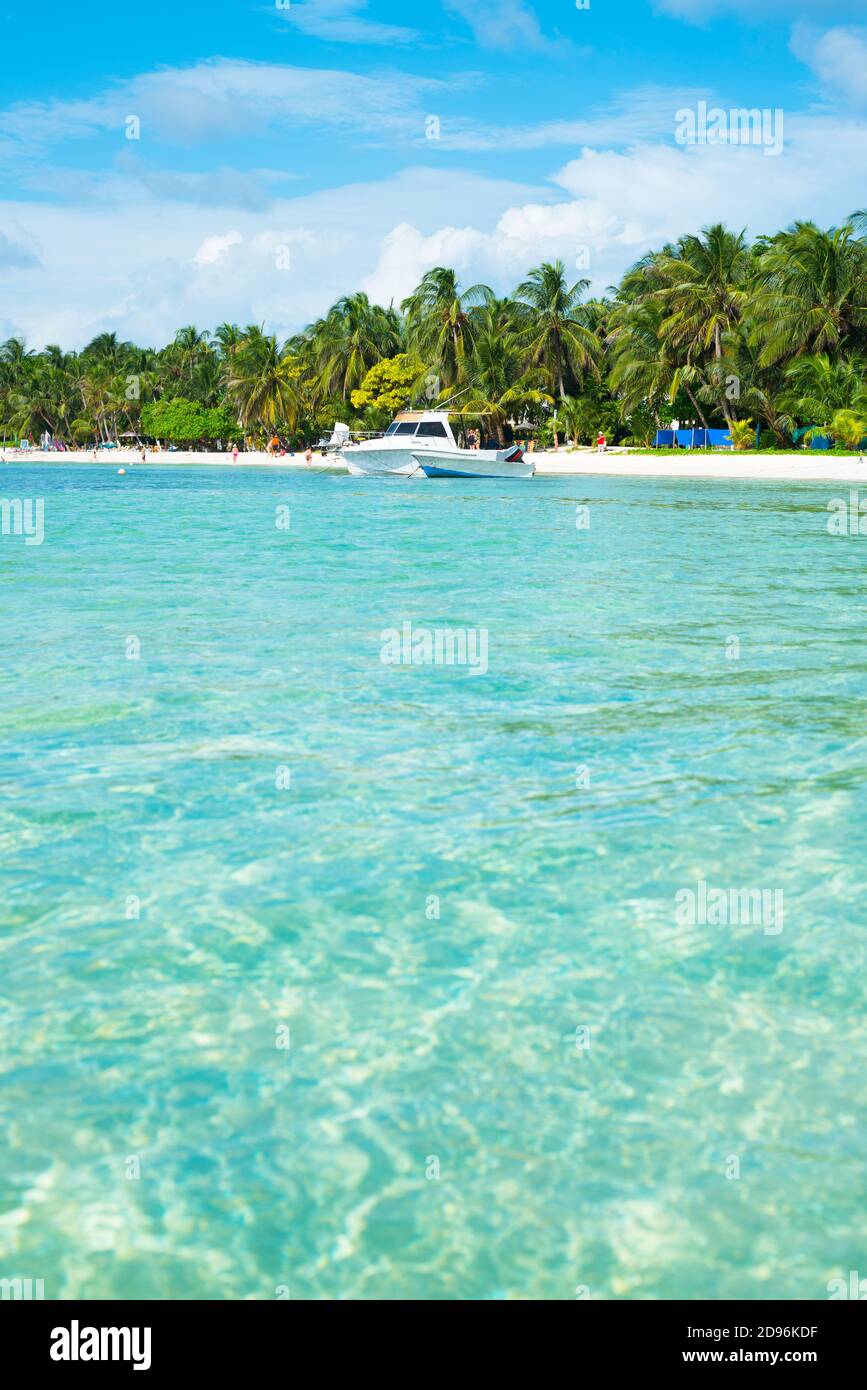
[{"x": 429, "y": 429}]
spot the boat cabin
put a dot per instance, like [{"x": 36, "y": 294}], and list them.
[{"x": 421, "y": 424}]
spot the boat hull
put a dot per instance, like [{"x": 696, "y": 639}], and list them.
[
  {"x": 379, "y": 463},
  {"x": 469, "y": 463}
]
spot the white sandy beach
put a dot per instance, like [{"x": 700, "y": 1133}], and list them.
[
  {"x": 796, "y": 467},
  {"x": 801, "y": 467}
]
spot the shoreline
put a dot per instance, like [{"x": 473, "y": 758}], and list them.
[
  {"x": 790, "y": 468},
  {"x": 736, "y": 467}
]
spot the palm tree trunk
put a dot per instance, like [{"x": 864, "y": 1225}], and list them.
[
  {"x": 695, "y": 405},
  {"x": 726, "y": 408}
]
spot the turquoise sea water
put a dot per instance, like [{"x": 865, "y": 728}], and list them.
[{"x": 420, "y": 1043}]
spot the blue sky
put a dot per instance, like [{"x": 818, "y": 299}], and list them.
[{"x": 285, "y": 152}]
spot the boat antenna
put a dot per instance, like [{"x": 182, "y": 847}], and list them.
[{"x": 446, "y": 403}]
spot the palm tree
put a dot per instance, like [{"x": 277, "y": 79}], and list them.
[
  {"x": 14, "y": 352},
  {"x": 54, "y": 397},
  {"x": 816, "y": 387},
  {"x": 644, "y": 370},
  {"x": 500, "y": 386},
  {"x": 206, "y": 380},
  {"x": 702, "y": 292},
  {"x": 811, "y": 293},
  {"x": 15, "y": 363},
  {"x": 96, "y": 385},
  {"x": 353, "y": 337},
  {"x": 191, "y": 348},
  {"x": 498, "y": 315},
  {"x": 106, "y": 348},
  {"x": 262, "y": 382},
  {"x": 440, "y": 322},
  {"x": 558, "y": 334},
  {"x": 848, "y": 428},
  {"x": 227, "y": 336}
]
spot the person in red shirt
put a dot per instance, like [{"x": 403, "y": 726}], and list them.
[{"x": 600, "y": 443}]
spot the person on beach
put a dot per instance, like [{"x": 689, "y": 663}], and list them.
[
  {"x": 600, "y": 443},
  {"x": 234, "y": 453},
  {"x": 308, "y": 456},
  {"x": 144, "y": 456}
]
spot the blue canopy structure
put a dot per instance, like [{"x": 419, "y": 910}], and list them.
[{"x": 693, "y": 439}]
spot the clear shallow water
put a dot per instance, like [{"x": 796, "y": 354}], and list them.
[{"x": 411, "y": 1037}]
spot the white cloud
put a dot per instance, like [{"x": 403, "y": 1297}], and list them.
[
  {"x": 132, "y": 265},
  {"x": 663, "y": 191},
  {"x": 16, "y": 254},
  {"x": 838, "y": 57},
  {"x": 406, "y": 254},
  {"x": 214, "y": 248},
  {"x": 343, "y": 21},
  {"x": 522, "y": 236},
  {"x": 621, "y": 203},
  {"x": 219, "y": 99},
  {"x": 506, "y": 24},
  {"x": 640, "y": 114}
]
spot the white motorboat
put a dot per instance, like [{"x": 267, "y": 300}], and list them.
[
  {"x": 410, "y": 433},
  {"x": 475, "y": 463},
  {"x": 341, "y": 435}
]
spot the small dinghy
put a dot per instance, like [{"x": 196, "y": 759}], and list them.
[{"x": 475, "y": 463}]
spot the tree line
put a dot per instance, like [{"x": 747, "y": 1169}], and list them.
[{"x": 767, "y": 336}]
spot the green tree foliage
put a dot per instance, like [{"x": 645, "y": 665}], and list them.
[
  {"x": 557, "y": 329},
  {"x": 440, "y": 322},
  {"x": 707, "y": 328},
  {"x": 390, "y": 384},
  {"x": 848, "y": 428},
  {"x": 186, "y": 422}
]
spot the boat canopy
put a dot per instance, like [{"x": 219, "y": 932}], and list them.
[{"x": 421, "y": 424}]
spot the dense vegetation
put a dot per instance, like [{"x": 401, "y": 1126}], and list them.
[{"x": 711, "y": 329}]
